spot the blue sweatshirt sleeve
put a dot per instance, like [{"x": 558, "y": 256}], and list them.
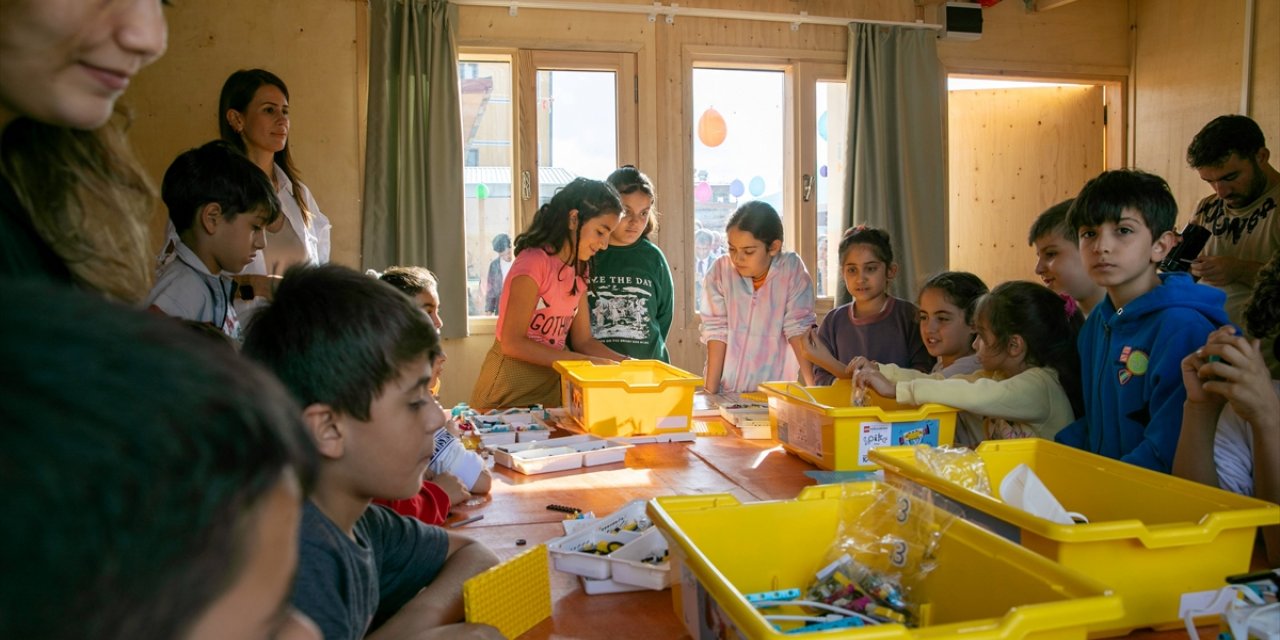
[
  {"x": 1166, "y": 394},
  {"x": 1073, "y": 435}
]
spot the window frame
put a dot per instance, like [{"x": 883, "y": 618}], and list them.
[{"x": 525, "y": 65}]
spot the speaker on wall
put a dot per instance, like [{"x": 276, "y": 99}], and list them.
[{"x": 960, "y": 20}]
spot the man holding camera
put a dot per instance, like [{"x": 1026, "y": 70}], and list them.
[{"x": 1231, "y": 155}]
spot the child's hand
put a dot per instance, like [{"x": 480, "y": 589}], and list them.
[
  {"x": 871, "y": 377},
  {"x": 858, "y": 364},
  {"x": 1240, "y": 376},
  {"x": 453, "y": 487}
]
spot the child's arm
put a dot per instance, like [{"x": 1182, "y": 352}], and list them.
[
  {"x": 1193, "y": 459},
  {"x": 666, "y": 293},
  {"x": 817, "y": 353},
  {"x": 1240, "y": 378},
  {"x": 714, "y": 325},
  {"x": 806, "y": 369},
  {"x": 1185, "y": 332},
  {"x": 799, "y": 318},
  {"x": 521, "y": 303},
  {"x": 440, "y": 602},
  {"x": 715, "y": 365},
  {"x": 1023, "y": 398}
]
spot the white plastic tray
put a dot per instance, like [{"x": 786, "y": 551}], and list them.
[
  {"x": 559, "y": 454},
  {"x": 598, "y": 587},
  {"x": 628, "y": 525},
  {"x": 629, "y": 567}
]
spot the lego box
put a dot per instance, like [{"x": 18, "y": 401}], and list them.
[
  {"x": 633, "y": 398},
  {"x": 820, "y": 424}
]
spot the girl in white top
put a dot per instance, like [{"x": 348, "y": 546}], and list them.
[
  {"x": 1029, "y": 385},
  {"x": 253, "y": 115}
]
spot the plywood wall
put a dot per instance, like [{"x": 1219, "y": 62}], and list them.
[
  {"x": 1013, "y": 153},
  {"x": 311, "y": 44},
  {"x": 1187, "y": 71}
]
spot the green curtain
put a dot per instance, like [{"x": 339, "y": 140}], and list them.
[
  {"x": 897, "y": 164},
  {"x": 413, "y": 201}
]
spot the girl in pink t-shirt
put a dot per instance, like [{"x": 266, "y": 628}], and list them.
[{"x": 538, "y": 310}]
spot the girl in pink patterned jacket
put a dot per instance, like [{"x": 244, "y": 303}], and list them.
[{"x": 757, "y": 306}]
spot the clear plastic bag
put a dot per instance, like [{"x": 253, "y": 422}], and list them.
[
  {"x": 956, "y": 464},
  {"x": 883, "y": 551}
]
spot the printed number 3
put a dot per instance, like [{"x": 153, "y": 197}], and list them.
[
  {"x": 899, "y": 555},
  {"x": 904, "y": 509}
]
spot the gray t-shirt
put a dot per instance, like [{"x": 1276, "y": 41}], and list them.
[{"x": 350, "y": 586}]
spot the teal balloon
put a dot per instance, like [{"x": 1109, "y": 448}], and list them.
[
  {"x": 736, "y": 188},
  {"x": 822, "y": 125},
  {"x": 482, "y": 191},
  {"x": 756, "y": 186}
]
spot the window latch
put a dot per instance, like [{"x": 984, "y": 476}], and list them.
[
  {"x": 525, "y": 189},
  {"x": 806, "y": 187}
]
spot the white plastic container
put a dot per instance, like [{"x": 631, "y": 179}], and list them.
[
  {"x": 559, "y": 454},
  {"x": 629, "y": 566},
  {"x": 625, "y": 565},
  {"x": 567, "y": 553}
]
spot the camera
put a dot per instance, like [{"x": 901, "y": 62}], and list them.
[{"x": 1180, "y": 257}]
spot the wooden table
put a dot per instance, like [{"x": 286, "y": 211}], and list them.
[{"x": 750, "y": 470}]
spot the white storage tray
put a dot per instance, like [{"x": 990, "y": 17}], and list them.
[
  {"x": 559, "y": 454},
  {"x": 567, "y": 554},
  {"x": 629, "y": 566},
  {"x": 598, "y": 587},
  {"x": 627, "y": 525}
]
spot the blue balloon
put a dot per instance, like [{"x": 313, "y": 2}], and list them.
[
  {"x": 822, "y": 125},
  {"x": 822, "y": 171},
  {"x": 757, "y": 186},
  {"x": 736, "y": 188}
]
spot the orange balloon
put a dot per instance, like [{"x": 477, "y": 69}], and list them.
[{"x": 711, "y": 128}]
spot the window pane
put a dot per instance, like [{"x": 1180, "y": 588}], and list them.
[
  {"x": 489, "y": 203},
  {"x": 737, "y": 153},
  {"x": 577, "y": 128},
  {"x": 832, "y": 104}
]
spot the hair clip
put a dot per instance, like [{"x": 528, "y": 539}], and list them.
[
  {"x": 854, "y": 230},
  {"x": 1069, "y": 305}
]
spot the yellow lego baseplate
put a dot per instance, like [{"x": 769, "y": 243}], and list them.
[{"x": 513, "y": 596}]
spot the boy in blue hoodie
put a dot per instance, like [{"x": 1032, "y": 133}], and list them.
[{"x": 1133, "y": 343}]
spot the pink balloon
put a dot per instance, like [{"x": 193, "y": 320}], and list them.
[{"x": 702, "y": 192}]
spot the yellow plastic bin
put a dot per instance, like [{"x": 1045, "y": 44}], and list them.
[
  {"x": 1150, "y": 536},
  {"x": 820, "y": 424},
  {"x": 984, "y": 587},
  {"x": 628, "y": 399}
]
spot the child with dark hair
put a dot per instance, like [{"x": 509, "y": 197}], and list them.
[
  {"x": 1058, "y": 257},
  {"x": 947, "y": 302},
  {"x": 1133, "y": 343},
  {"x": 160, "y": 498},
  {"x": 757, "y": 306},
  {"x": 358, "y": 357},
  {"x": 538, "y": 313},
  {"x": 1231, "y": 420},
  {"x": 632, "y": 297},
  {"x": 1029, "y": 385},
  {"x": 875, "y": 325},
  {"x": 454, "y": 471},
  {"x": 220, "y": 204}
]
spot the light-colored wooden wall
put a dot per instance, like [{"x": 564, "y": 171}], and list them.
[
  {"x": 313, "y": 45},
  {"x": 1187, "y": 71},
  {"x": 1013, "y": 153}
]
